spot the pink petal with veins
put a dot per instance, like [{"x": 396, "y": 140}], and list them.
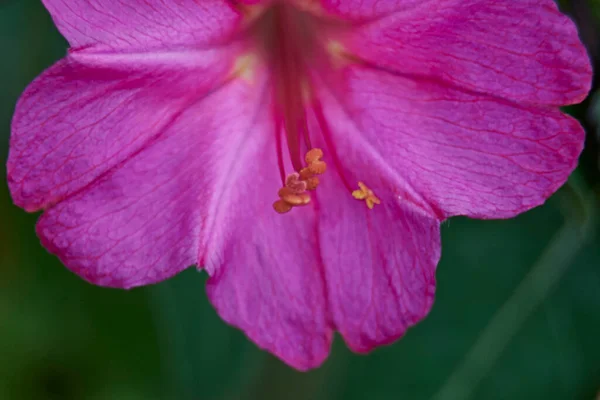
[
  {"x": 266, "y": 273},
  {"x": 362, "y": 10},
  {"x": 522, "y": 50},
  {"x": 89, "y": 112},
  {"x": 145, "y": 220},
  {"x": 380, "y": 266},
  {"x": 466, "y": 154},
  {"x": 142, "y": 25},
  {"x": 379, "y": 263}
]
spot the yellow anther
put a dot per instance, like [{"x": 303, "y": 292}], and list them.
[
  {"x": 293, "y": 193},
  {"x": 366, "y": 194},
  {"x": 312, "y": 183},
  {"x": 305, "y": 174},
  {"x": 359, "y": 195},
  {"x": 371, "y": 201},
  {"x": 295, "y": 199},
  {"x": 295, "y": 184},
  {"x": 304, "y": 199},
  {"x": 317, "y": 167},
  {"x": 285, "y": 191},
  {"x": 313, "y": 155},
  {"x": 282, "y": 207}
]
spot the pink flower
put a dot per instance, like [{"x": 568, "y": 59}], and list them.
[{"x": 172, "y": 130}]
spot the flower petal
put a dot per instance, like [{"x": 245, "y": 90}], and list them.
[
  {"x": 380, "y": 267},
  {"x": 463, "y": 153},
  {"x": 367, "y": 9},
  {"x": 379, "y": 263},
  {"x": 524, "y": 50},
  {"x": 143, "y": 25},
  {"x": 141, "y": 222},
  {"x": 88, "y": 113},
  {"x": 266, "y": 276}
]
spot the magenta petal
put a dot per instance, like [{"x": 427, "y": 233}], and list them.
[
  {"x": 88, "y": 113},
  {"x": 142, "y": 25},
  {"x": 464, "y": 153},
  {"x": 380, "y": 266},
  {"x": 142, "y": 222},
  {"x": 266, "y": 272},
  {"x": 522, "y": 50},
  {"x": 367, "y": 9},
  {"x": 380, "y": 263}
]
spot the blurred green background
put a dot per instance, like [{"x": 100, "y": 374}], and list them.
[{"x": 517, "y": 314}]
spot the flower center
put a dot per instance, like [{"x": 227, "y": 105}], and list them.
[
  {"x": 294, "y": 43},
  {"x": 288, "y": 40}
]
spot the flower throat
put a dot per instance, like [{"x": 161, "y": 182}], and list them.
[
  {"x": 289, "y": 42},
  {"x": 293, "y": 41}
]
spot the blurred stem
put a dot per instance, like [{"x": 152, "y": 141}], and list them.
[{"x": 529, "y": 294}]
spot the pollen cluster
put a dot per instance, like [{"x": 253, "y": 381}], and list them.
[
  {"x": 366, "y": 194},
  {"x": 294, "y": 193}
]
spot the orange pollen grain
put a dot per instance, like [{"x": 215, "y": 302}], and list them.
[
  {"x": 317, "y": 167},
  {"x": 294, "y": 183},
  {"x": 366, "y": 194},
  {"x": 295, "y": 200},
  {"x": 305, "y": 173},
  {"x": 281, "y": 206},
  {"x": 312, "y": 183},
  {"x": 293, "y": 193},
  {"x": 313, "y": 155}
]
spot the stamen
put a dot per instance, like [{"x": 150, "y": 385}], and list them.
[
  {"x": 295, "y": 200},
  {"x": 278, "y": 143},
  {"x": 293, "y": 193},
  {"x": 294, "y": 183},
  {"x": 281, "y": 206},
  {"x": 313, "y": 155},
  {"x": 312, "y": 183},
  {"x": 366, "y": 194},
  {"x": 315, "y": 165},
  {"x": 317, "y": 168},
  {"x": 305, "y": 173}
]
